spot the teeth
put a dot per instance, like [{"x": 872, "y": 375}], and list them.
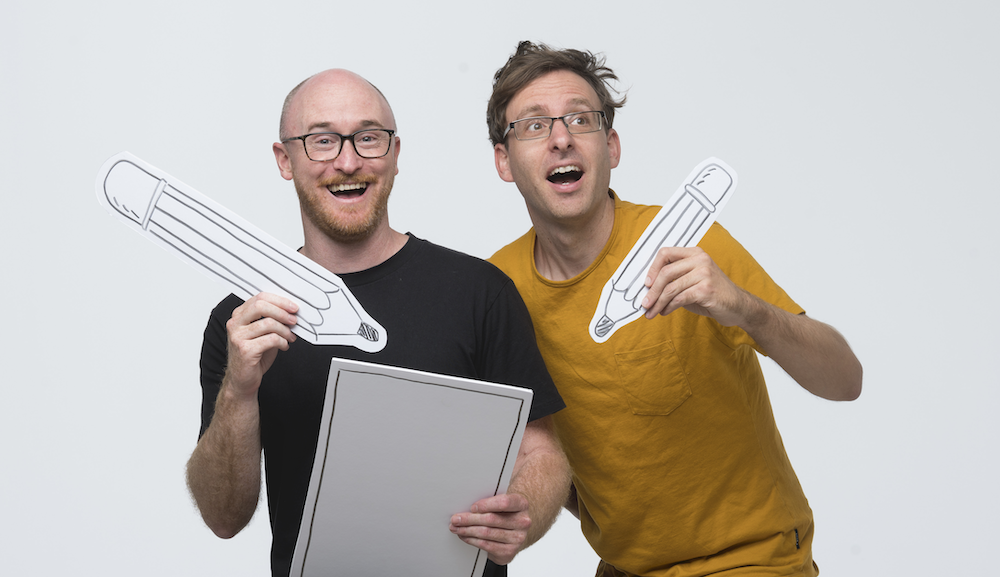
[
  {"x": 346, "y": 187},
  {"x": 565, "y": 169}
]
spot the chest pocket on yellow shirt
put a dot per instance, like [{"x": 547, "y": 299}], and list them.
[{"x": 653, "y": 379}]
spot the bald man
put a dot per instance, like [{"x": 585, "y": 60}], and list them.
[{"x": 447, "y": 312}]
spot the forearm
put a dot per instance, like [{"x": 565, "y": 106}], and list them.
[
  {"x": 811, "y": 352},
  {"x": 223, "y": 472},
  {"x": 543, "y": 477}
]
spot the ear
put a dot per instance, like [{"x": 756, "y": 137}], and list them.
[
  {"x": 284, "y": 162},
  {"x": 395, "y": 155},
  {"x": 503, "y": 162},
  {"x": 614, "y": 147}
]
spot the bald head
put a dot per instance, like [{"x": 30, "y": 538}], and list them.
[{"x": 331, "y": 86}]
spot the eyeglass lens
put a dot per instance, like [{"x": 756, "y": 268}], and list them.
[
  {"x": 541, "y": 126},
  {"x": 367, "y": 143}
]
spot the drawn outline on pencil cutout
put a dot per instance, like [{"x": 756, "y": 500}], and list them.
[
  {"x": 682, "y": 222},
  {"x": 231, "y": 250}
]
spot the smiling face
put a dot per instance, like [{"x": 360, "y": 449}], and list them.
[
  {"x": 345, "y": 199},
  {"x": 564, "y": 178}
]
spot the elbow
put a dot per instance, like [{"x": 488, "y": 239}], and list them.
[
  {"x": 224, "y": 529},
  {"x": 852, "y": 390},
  {"x": 223, "y": 532},
  {"x": 845, "y": 386},
  {"x": 224, "y": 519}
]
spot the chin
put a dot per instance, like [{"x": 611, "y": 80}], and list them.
[{"x": 347, "y": 225}]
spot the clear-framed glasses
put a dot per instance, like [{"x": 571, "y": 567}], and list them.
[
  {"x": 541, "y": 126},
  {"x": 325, "y": 146}
]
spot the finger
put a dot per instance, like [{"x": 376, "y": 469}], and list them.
[
  {"x": 491, "y": 534},
  {"x": 253, "y": 349},
  {"x": 688, "y": 269},
  {"x": 661, "y": 259},
  {"x": 263, "y": 326},
  {"x": 697, "y": 292},
  {"x": 264, "y": 308},
  {"x": 499, "y": 553},
  {"x": 662, "y": 287},
  {"x": 669, "y": 264},
  {"x": 502, "y": 521},
  {"x": 266, "y": 325},
  {"x": 490, "y": 521},
  {"x": 257, "y": 308},
  {"x": 667, "y": 255},
  {"x": 655, "y": 300},
  {"x": 279, "y": 301},
  {"x": 504, "y": 503},
  {"x": 674, "y": 293}
]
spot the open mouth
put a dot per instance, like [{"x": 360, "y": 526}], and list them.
[
  {"x": 349, "y": 190},
  {"x": 565, "y": 175}
]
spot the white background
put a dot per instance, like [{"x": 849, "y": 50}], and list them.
[{"x": 865, "y": 134}]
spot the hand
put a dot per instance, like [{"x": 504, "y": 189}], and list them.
[
  {"x": 689, "y": 278},
  {"x": 498, "y": 525},
  {"x": 258, "y": 329}
]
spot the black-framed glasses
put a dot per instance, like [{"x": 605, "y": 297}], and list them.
[
  {"x": 537, "y": 127},
  {"x": 326, "y": 146}
]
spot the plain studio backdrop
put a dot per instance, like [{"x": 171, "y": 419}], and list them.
[{"x": 865, "y": 138}]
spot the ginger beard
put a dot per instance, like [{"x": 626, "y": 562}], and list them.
[{"x": 347, "y": 223}]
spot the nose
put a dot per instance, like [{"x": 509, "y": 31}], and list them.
[
  {"x": 348, "y": 160},
  {"x": 560, "y": 137}
]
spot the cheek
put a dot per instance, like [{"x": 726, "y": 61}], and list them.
[{"x": 518, "y": 166}]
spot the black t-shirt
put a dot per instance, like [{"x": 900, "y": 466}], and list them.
[{"x": 443, "y": 312}]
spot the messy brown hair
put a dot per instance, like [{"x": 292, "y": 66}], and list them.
[{"x": 531, "y": 61}]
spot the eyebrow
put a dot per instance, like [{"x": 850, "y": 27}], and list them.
[
  {"x": 327, "y": 125},
  {"x": 537, "y": 109}
]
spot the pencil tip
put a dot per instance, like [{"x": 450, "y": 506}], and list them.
[
  {"x": 603, "y": 326},
  {"x": 368, "y": 332}
]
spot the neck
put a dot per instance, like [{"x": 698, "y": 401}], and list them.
[
  {"x": 564, "y": 250},
  {"x": 340, "y": 257}
]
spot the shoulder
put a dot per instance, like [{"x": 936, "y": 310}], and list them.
[
  {"x": 631, "y": 221},
  {"x": 456, "y": 274},
  {"x": 215, "y": 330},
  {"x": 740, "y": 266},
  {"x": 447, "y": 259},
  {"x": 515, "y": 258},
  {"x": 725, "y": 250},
  {"x": 634, "y": 217},
  {"x": 214, "y": 342},
  {"x": 224, "y": 310}
]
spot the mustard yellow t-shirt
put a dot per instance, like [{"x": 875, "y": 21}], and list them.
[{"x": 678, "y": 466}]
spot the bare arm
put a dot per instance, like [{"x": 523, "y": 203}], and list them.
[
  {"x": 542, "y": 476},
  {"x": 811, "y": 352},
  {"x": 504, "y": 525},
  {"x": 223, "y": 472}
]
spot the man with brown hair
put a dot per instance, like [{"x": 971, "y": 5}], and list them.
[
  {"x": 678, "y": 467},
  {"x": 447, "y": 313}
]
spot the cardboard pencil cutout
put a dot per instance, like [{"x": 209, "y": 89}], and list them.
[
  {"x": 229, "y": 249},
  {"x": 682, "y": 222}
]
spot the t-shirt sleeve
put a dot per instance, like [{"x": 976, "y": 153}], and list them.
[
  {"x": 746, "y": 272},
  {"x": 213, "y": 357},
  {"x": 512, "y": 356}
]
